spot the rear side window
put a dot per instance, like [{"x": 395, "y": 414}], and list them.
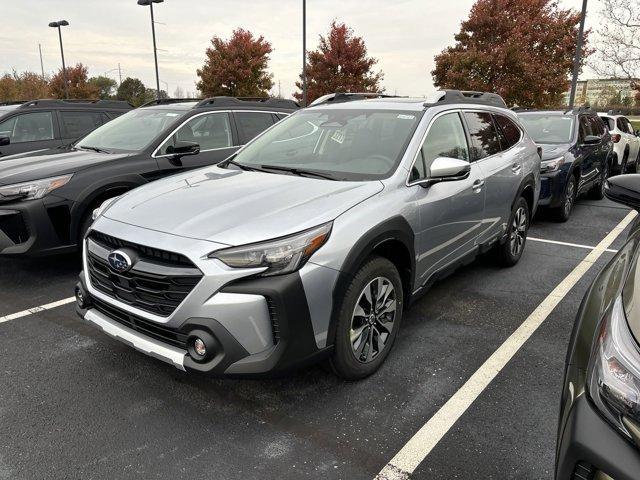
[
  {"x": 446, "y": 138},
  {"x": 252, "y": 124},
  {"x": 28, "y": 127},
  {"x": 76, "y": 124},
  {"x": 509, "y": 132},
  {"x": 628, "y": 126},
  {"x": 484, "y": 137}
]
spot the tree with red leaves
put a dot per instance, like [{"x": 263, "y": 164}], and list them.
[
  {"x": 237, "y": 67},
  {"x": 520, "y": 49},
  {"x": 77, "y": 81},
  {"x": 340, "y": 64}
]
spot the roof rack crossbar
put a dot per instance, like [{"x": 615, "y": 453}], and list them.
[
  {"x": 168, "y": 101},
  {"x": 443, "y": 97},
  {"x": 247, "y": 101}
]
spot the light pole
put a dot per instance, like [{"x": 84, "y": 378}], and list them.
[
  {"x": 304, "y": 53},
  {"x": 153, "y": 33},
  {"x": 578, "y": 56},
  {"x": 58, "y": 25}
]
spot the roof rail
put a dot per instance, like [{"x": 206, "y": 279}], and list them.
[
  {"x": 581, "y": 108},
  {"x": 168, "y": 101},
  {"x": 442, "y": 97},
  {"x": 341, "y": 97},
  {"x": 248, "y": 102},
  {"x": 54, "y": 102}
]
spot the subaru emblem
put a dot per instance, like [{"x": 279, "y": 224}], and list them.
[{"x": 119, "y": 261}]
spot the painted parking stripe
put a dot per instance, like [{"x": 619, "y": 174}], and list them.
[
  {"x": 566, "y": 244},
  {"x": 42, "y": 308},
  {"x": 404, "y": 463}
]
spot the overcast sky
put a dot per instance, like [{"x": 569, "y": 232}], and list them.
[{"x": 403, "y": 34}]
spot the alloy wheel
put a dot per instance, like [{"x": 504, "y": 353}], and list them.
[
  {"x": 568, "y": 201},
  {"x": 373, "y": 319},
  {"x": 518, "y": 231}
]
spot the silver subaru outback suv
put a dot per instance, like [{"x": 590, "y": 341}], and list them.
[{"x": 312, "y": 240}]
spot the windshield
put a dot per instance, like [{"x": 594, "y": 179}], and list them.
[
  {"x": 130, "y": 132},
  {"x": 340, "y": 144},
  {"x": 548, "y": 127}
]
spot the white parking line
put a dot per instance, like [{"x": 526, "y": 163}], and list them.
[
  {"x": 577, "y": 245},
  {"x": 404, "y": 463},
  {"x": 42, "y": 308}
]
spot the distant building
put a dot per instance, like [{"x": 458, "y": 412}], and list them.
[{"x": 600, "y": 92}]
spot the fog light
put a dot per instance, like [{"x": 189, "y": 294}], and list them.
[
  {"x": 199, "y": 347},
  {"x": 81, "y": 297}
]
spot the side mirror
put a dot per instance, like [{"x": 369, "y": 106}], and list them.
[
  {"x": 181, "y": 149},
  {"x": 624, "y": 189},
  {"x": 591, "y": 140},
  {"x": 4, "y": 141},
  {"x": 449, "y": 169}
]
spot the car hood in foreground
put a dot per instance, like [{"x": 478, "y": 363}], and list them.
[
  {"x": 551, "y": 151},
  {"x": 238, "y": 207},
  {"x": 49, "y": 163}
]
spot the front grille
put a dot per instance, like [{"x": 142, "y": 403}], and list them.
[
  {"x": 145, "y": 327},
  {"x": 13, "y": 226},
  {"x": 158, "y": 282}
]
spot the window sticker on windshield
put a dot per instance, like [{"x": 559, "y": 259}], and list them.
[
  {"x": 402, "y": 116},
  {"x": 338, "y": 136}
]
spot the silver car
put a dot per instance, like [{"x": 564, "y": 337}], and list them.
[{"x": 312, "y": 240}]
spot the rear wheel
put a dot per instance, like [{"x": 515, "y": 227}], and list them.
[
  {"x": 563, "y": 212},
  {"x": 369, "y": 319},
  {"x": 510, "y": 251}
]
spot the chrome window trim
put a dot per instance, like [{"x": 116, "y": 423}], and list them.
[{"x": 209, "y": 112}]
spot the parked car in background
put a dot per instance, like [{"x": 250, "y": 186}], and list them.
[
  {"x": 599, "y": 430},
  {"x": 577, "y": 153},
  {"x": 46, "y": 199},
  {"x": 312, "y": 239},
  {"x": 626, "y": 143},
  {"x": 42, "y": 124}
]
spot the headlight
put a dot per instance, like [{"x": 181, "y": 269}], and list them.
[
  {"x": 613, "y": 379},
  {"x": 33, "y": 190},
  {"x": 551, "y": 165},
  {"x": 103, "y": 206},
  {"x": 279, "y": 256}
]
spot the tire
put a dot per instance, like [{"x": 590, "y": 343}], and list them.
[
  {"x": 625, "y": 161},
  {"x": 563, "y": 212},
  {"x": 597, "y": 192},
  {"x": 357, "y": 353},
  {"x": 510, "y": 251}
]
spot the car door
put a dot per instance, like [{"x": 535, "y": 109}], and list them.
[
  {"x": 29, "y": 131},
  {"x": 501, "y": 166},
  {"x": 450, "y": 212},
  {"x": 75, "y": 124},
  {"x": 212, "y": 131},
  {"x": 250, "y": 124},
  {"x": 633, "y": 140},
  {"x": 588, "y": 153}
]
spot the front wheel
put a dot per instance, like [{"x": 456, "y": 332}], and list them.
[
  {"x": 369, "y": 319},
  {"x": 563, "y": 212},
  {"x": 597, "y": 192},
  {"x": 510, "y": 251}
]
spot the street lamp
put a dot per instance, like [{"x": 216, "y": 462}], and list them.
[
  {"x": 577, "y": 57},
  {"x": 58, "y": 24},
  {"x": 304, "y": 53},
  {"x": 153, "y": 33}
]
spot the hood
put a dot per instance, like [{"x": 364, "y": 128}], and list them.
[
  {"x": 551, "y": 151},
  {"x": 50, "y": 163},
  {"x": 238, "y": 207}
]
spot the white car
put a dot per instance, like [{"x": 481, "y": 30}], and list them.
[{"x": 626, "y": 144}]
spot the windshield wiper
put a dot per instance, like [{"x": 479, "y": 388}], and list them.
[
  {"x": 301, "y": 172},
  {"x": 95, "y": 149},
  {"x": 242, "y": 166}
]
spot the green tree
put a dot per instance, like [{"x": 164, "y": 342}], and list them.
[
  {"x": 520, "y": 49},
  {"x": 340, "y": 64},
  {"x": 133, "y": 91},
  {"x": 106, "y": 86},
  {"x": 237, "y": 67}
]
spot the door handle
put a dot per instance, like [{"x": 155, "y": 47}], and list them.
[
  {"x": 516, "y": 168},
  {"x": 477, "y": 186}
]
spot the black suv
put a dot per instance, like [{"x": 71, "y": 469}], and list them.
[
  {"x": 42, "y": 124},
  {"x": 46, "y": 199},
  {"x": 577, "y": 152}
]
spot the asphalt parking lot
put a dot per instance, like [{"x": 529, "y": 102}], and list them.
[{"x": 77, "y": 404}]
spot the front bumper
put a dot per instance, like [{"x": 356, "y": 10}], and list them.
[
  {"x": 35, "y": 227},
  {"x": 589, "y": 443},
  {"x": 256, "y": 325},
  {"x": 552, "y": 188}
]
